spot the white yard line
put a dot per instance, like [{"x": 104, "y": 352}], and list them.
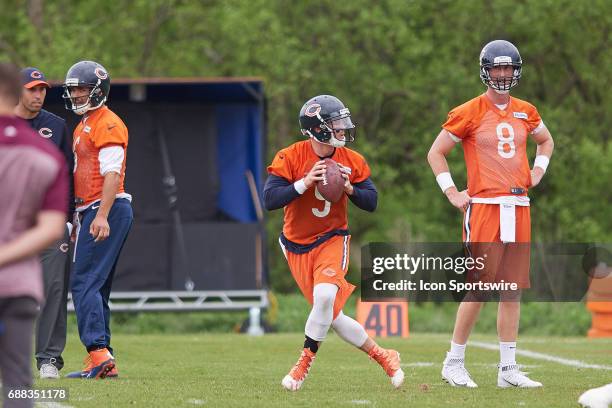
[
  {"x": 542, "y": 356},
  {"x": 361, "y": 402},
  {"x": 51, "y": 405}
]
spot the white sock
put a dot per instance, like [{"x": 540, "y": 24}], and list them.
[
  {"x": 349, "y": 330},
  {"x": 457, "y": 350},
  {"x": 507, "y": 352}
]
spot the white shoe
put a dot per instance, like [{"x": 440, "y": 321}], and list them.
[
  {"x": 597, "y": 397},
  {"x": 454, "y": 373},
  {"x": 511, "y": 376},
  {"x": 49, "y": 371}
]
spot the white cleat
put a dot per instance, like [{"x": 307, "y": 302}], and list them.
[
  {"x": 49, "y": 371},
  {"x": 454, "y": 373},
  {"x": 600, "y": 397},
  {"x": 511, "y": 376}
]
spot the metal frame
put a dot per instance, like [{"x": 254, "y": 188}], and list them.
[{"x": 184, "y": 301}]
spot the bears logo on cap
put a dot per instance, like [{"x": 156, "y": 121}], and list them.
[{"x": 36, "y": 74}]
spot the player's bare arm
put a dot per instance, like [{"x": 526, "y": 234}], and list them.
[
  {"x": 436, "y": 157},
  {"x": 545, "y": 147},
  {"x": 49, "y": 227},
  {"x": 99, "y": 228}
]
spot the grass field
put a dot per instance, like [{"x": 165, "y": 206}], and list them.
[{"x": 232, "y": 370}]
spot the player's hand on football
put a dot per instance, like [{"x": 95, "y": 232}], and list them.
[
  {"x": 315, "y": 174},
  {"x": 459, "y": 199},
  {"x": 536, "y": 176},
  {"x": 99, "y": 228},
  {"x": 348, "y": 187}
]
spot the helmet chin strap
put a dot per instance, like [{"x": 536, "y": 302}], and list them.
[
  {"x": 332, "y": 142},
  {"x": 501, "y": 92},
  {"x": 81, "y": 110},
  {"x": 336, "y": 143}
]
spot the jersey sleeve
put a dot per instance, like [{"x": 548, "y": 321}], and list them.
[
  {"x": 534, "y": 121},
  {"x": 458, "y": 122},
  {"x": 110, "y": 133},
  {"x": 281, "y": 165},
  {"x": 361, "y": 169}
]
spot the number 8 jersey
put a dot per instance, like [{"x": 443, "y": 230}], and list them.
[
  {"x": 99, "y": 129},
  {"x": 494, "y": 144},
  {"x": 310, "y": 216}
]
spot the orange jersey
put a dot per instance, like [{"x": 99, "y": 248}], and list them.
[
  {"x": 309, "y": 215},
  {"x": 494, "y": 144},
  {"x": 98, "y": 129}
]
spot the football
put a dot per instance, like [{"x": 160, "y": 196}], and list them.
[{"x": 332, "y": 185}]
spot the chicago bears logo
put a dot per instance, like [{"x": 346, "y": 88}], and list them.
[
  {"x": 45, "y": 132},
  {"x": 36, "y": 75},
  {"x": 312, "y": 110},
  {"x": 100, "y": 73}
]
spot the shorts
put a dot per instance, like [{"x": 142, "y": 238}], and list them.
[
  {"x": 503, "y": 261},
  {"x": 327, "y": 263}
]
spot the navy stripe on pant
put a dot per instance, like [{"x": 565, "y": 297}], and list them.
[{"x": 93, "y": 271}]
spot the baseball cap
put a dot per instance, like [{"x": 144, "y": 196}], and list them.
[{"x": 30, "y": 77}]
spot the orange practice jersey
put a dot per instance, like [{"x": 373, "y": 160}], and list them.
[
  {"x": 309, "y": 215},
  {"x": 100, "y": 128},
  {"x": 494, "y": 144}
]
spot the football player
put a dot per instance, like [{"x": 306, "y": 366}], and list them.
[
  {"x": 103, "y": 210},
  {"x": 51, "y": 325},
  {"x": 315, "y": 238},
  {"x": 493, "y": 129}
]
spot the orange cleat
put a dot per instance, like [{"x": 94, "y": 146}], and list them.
[
  {"x": 97, "y": 365},
  {"x": 389, "y": 360},
  {"x": 293, "y": 381},
  {"x": 114, "y": 373}
]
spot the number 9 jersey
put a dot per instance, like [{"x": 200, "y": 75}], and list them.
[
  {"x": 494, "y": 144},
  {"x": 310, "y": 216}
]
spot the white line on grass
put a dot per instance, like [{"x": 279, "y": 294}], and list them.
[
  {"x": 196, "y": 401},
  {"x": 545, "y": 357},
  {"x": 418, "y": 364}
]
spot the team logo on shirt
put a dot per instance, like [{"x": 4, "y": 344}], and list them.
[
  {"x": 312, "y": 110},
  {"x": 329, "y": 272},
  {"x": 520, "y": 115},
  {"x": 45, "y": 132},
  {"x": 100, "y": 73}
]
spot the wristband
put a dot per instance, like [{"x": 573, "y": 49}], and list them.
[
  {"x": 300, "y": 186},
  {"x": 541, "y": 161},
  {"x": 445, "y": 181}
]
